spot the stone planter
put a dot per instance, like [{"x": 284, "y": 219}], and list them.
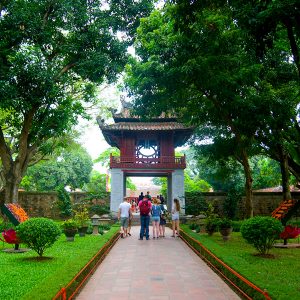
[
  {"x": 70, "y": 234},
  {"x": 225, "y": 232},
  {"x": 82, "y": 230}
]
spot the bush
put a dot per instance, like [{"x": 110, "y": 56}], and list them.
[
  {"x": 224, "y": 223},
  {"x": 294, "y": 223},
  {"x": 64, "y": 202},
  {"x": 197, "y": 228},
  {"x": 231, "y": 202},
  {"x": 99, "y": 210},
  {"x": 105, "y": 226},
  {"x": 192, "y": 226},
  {"x": 38, "y": 234},
  {"x": 4, "y": 225},
  {"x": 195, "y": 203},
  {"x": 261, "y": 232},
  {"x": 211, "y": 225},
  {"x": 236, "y": 226},
  {"x": 70, "y": 224}
]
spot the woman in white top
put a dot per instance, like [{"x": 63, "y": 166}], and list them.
[{"x": 175, "y": 217}]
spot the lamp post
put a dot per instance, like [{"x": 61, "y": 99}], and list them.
[{"x": 95, "y": 222}]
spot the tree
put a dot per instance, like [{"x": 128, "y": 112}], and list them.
[
  {"x": 97, "y": 185},
  {"x": 104, "y": 157},
  {"x": 272, "y": 28},
  {"x": 268, "y": 20},
  {"x": 104, "y": 160},
  {"x": 72, "y": 167},
  {"x": 266, "y": 172},
  {"x": 198, "y": 59},
  {"x": 191, "y": 184},
  {"x": 52, "y": 53},
  {"x": 222, "y": 88}
]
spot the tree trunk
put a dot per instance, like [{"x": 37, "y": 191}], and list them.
[
  {"x": 285, "y": 175},
  {"x": 248, "y": 185},
  {"x": 11, "y": 188},
  {"x": 295, "y": 51}
]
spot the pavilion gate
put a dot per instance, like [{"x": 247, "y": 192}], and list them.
[{"x": 146, "y": 149}]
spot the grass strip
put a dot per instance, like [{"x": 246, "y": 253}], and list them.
[{"x": 23, "y": 276}]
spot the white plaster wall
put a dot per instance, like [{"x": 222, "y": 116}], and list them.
[
  {"x": 178, "y": 188},
  {"x": 117, "y": 189}
]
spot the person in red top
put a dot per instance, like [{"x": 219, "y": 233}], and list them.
[{"x": 145, "y": 208}]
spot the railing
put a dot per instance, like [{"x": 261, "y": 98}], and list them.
[
  {"x": 162, "y": 162},
  {"x": 73, "y": 287}
]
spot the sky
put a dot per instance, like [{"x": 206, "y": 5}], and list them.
[{"x": 93, "y": 140}]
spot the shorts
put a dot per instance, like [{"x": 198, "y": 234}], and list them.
[
  {"x": 124, "y": 222},
  {"x": 175, "y": 217},
  {"x": 155, "y": 218},
  {"x": 162, "y": 221}
]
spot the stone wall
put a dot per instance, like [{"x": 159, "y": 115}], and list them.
[
  {"x": 264, "y": 203},
  {"x": 39, "y": 204},
  {"x": 44, "y": 204}
]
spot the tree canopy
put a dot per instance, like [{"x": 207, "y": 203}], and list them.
[
  {"x": 52, "y": 53},
  {"x": 195, "y": 59},
  {"x": 72, "y": 168}
]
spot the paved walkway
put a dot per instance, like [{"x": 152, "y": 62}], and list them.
[{"x": 163, "y": 269}]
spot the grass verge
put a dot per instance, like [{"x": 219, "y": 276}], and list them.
[
  {"x": 278, "y": 276},
  {"x": 23, "y": 276}
]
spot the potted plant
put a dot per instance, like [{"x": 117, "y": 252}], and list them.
[
  {"x": 82, "y": 218},
  {"x": 70, "y": 228},
  {"x": 211, "y": 225},
  {"x": 225, "y": 228}
]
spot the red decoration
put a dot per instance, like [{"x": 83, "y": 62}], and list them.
[
  {"x": 290, "y": 232},
  {"x": 10, "y": 236}
]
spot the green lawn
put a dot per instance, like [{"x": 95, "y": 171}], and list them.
[
  {"x": 279, "y": 276},
  {"x": 24, "y": 277}
]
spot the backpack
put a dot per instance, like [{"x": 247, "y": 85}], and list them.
[{"x": 145, "y": 208}]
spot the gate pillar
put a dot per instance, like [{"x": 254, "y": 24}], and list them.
[{"x": 117, "y": 189}]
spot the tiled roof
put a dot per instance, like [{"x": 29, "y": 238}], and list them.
[{"x": 142, "y": 126}]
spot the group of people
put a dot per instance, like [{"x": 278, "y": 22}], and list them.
[{"x": 153, "y": 209}]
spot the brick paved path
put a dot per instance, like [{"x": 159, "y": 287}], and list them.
[{"x": 163, "y": 269}]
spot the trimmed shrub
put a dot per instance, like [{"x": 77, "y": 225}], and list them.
[
  {"x": 261, "y": 232},
  {"x": 38, "y": 234},
  {"x": 197, "y": 228}
]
